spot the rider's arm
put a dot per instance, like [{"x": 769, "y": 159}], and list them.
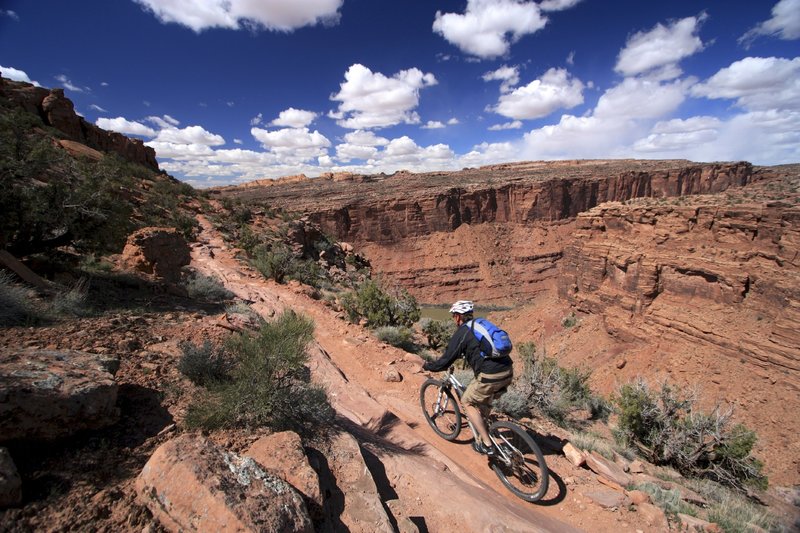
[{"x": 455, "y": 348}]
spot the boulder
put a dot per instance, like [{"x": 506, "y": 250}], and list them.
[
  {"x": 608, "y": 469},
  {"x": 574, "y": 455},
  {"x": 191, "y": 484},
  {"x": 283, "y": 454},
  {"x": 606, "y": 498},
  {"x": 160, "y": 252},
  {"x": 46, "y": 394},
  {"x": 10, "y": 482},
  {"x": 691, "y": 523},
  {"x": 653, "y": 516},
  {"x": 392, "y": 376}
]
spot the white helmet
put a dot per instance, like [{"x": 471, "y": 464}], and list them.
[{"x": 462, "y": 307}]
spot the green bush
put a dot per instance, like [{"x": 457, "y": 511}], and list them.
[
  {"x": 555, "y": 391},
  {"x": 269, "y": 385},
  {"x": 379, "y": 308},
  {"x": 203, "y": 365},
  {"x": 666, "y": 428},
  {"x": 202, "y": 287},
  {"x": 398, "y": 336},
  {"x": 16, "y": 305},
  {"x": 513, "y": 403},
  {"x": 281, "y": 264},
  {"x": 438, "y": 332}
]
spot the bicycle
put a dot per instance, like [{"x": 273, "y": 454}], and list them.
[{"x": 518, "y": 458}]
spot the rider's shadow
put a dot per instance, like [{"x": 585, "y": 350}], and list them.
[{"x": 550, "y": 446}]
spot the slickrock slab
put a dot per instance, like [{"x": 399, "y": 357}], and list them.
[
  {"x": 608, "y": 469},
  {"x": 190, "y": 484},
  {"x": 46, "y": 394},
  {"x": 654, "y": 516},
  {"x": 606, "y": 498}
]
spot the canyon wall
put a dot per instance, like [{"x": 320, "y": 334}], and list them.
[{"x": 58, "y": 111}]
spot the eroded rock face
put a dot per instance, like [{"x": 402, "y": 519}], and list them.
[
  {"x": 157, "y": 251},
  {"x": 58, "y": 111},
  {"x": 46, "y": 394},
  {"x": 190, "y": 484}
]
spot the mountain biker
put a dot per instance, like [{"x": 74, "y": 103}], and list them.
[{"x": 492, "y": 376}]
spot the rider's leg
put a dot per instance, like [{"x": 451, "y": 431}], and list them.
[{"x": 476, "y": 418}]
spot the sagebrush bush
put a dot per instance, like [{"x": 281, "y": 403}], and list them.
[
  {"x": 438, "y": 332},
  {"x": 380, "y": 308},
  {"x": 513, "y": 403},
  {"x": 202, "y": 287},
  {"x": 281, "y": 264},
  {"x": 16, "y": 305},
  {"x": 269, "y": 385},
  {"x": 397, "y": 336},
  {"x": 667, "y": 428},
  {"x": 72, "y": 302},
  {"x": 556, "y": 391},
  {"x": 733, "y": 512},
  {"x": 204, "y": 364}
]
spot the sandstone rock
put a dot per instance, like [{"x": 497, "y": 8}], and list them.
[
  {"x": 653, "y": 516},
  {"x": 605, "y": 498},
  {"x": 190, "y": 484},
  {"x": 636, "y": 467},
  {"x": 283, "y": 454},
  {"x": 54, "y": 393},
  {"x": 10, "y": 482},
  {"x": 157, "y": 251},
  {"x": 638, "y": 497},
  {"x": 608, "y": 469},
  {"x": 392, "y": 376},
  {"x": 575, "y": 456},
  {"x": 691, "y": 523},
  {"x": 60, "y": 113}
]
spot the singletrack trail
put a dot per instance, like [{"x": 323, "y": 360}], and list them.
[{"x": 447, "y": 484}]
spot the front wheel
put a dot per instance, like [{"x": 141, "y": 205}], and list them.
[
  {"x": 520, "y": 464},
  {"x": 440, "y": 408}
]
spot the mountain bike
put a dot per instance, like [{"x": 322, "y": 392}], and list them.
[{"x": 518, "y": 462}]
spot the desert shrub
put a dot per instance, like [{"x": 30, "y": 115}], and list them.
[
  {"x": 398, "y": 336},
  {"x": 74, "y": 301},
  {"x": 668, "y": 499},
  {"x": 438, "y": 332},
  {"x": 16, "y": 305},
  {"x": 556, "y": 391},
  {"x": 666, "y": 428},
  {"x": 733, "y": 512},
  {"x": 379, "y": 308},
  {"x": 202, "y": 287},
  {"x": 569, "y": 321},
  {"x": 204, "y": 364},
  {"x": 513, "y": 403},
  {"x": 281, "y": 264},
  {"x": 269, "y": 385}
]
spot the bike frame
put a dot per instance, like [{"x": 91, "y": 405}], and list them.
[{"x": 452, "y": 381}]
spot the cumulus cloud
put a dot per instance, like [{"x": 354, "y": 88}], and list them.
[
  {"x": 12, "y": 73},
  {"x": 238, "y": 141},
  {"x": 433, "y": 125},
  {"x": 293, "y": 118},
  {"x": 756, "y": 83},
  {"x": 637, "y": 98},
  {"x": 292, "y": 145},
  {"x": 189, "y": 135},
  {"x": 680, "y": 134},
  {"x": 660, "y": 49},
  {"x": 125, "y": 126},
  {"x": 452, "y": 122},
  {"x": 180, "y": 150},
  {"x": 509, "y": 76},
  {"x": 273, "y": 15},
  {"x": 556, "y": 89},
  {"x": 373, "y": 100},
  {"x": 488, "y": 27},
  {"x": 513, "y": 125},
  {"x": 784, "y": 24}
]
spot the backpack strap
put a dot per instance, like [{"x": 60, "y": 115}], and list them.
[{"x": 473, "y": 325}]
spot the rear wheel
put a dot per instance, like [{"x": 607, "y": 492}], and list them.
[
  {"x": 521, "y": 465},
  {"x": 440, "y": 408}
]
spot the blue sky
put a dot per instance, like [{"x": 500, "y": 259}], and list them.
[{"x": 235, "y": 90}]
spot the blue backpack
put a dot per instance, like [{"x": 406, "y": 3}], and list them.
[{"x": 495, "y": 342}]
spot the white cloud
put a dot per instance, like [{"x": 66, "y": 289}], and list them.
[
  {"x": 488, "y": 153},
  {"x": 98, "y": 108},
  {"x": 346, "y": 152},
  {"x": 12, "y": 73},
  {"x": 256, "y": 120},
  {"x": 784, "y": 24},
  {"x": 452, "y": 122},
  {"x": 163, "y": 122},
  {"x": 189, "y": 135},
  {"x": 509, "y": 76},
  {"x": 293, "y": 118},
  {"x": 637, "y": 98},
  {"x": 10, "y": 14},
  {"x": 554, "y": 90},
  {"x": 557, "y": 5},
  {"x": 237, "y": 14},
  {"x": 489, "y": 27},
  {"x": 292, "y": 145},
  {"x": 433, "y": 125},
  {"x": 756, "y": 83},
  {"x": 68, "y": 84},
  {"x": 103, "y": 84},
  {"x": 365, "y": 138},
  {"x": 514, "y": 125},
  {"x": 180, "y": 150},
  {"x": 679, "y": 134},
  {"x": 660, "y": 49},
  {"x": 372, "y": 100},
  {"x": 125, "y": 126},
  {"x": 238, "y": 141}
]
